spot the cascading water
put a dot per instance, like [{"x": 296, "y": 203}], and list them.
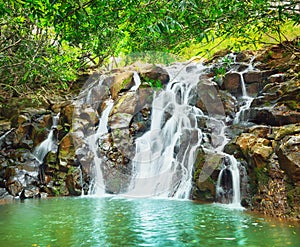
[
  {"x": 165, "y": 155},
  {"x": 228, "y": 184},
  {"x": 49, "y": 144},
  {"x": 163, "y": 163},
  {"x": 93, "y": 140}
]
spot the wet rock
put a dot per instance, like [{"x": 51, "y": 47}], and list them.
[
  {"x": 66, "y": 151},
  {"x": 274, "y": 116},
  {"x": 232, "y": 83},
  {"x": 276, "y": 78},
  {"x": 14, "y": 186},
  {"x": 153, "y": 73},
  {"x": 205, "y": 175},
  {"x": 229, "y": 103},
  {"x": 126, "y": 104},
  {"x": 208, "y": 99}
]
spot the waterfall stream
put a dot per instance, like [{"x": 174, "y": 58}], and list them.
[
  {"x": 165, "y": 155},
  {"x": 48, "y": 144},
  {"x": 228, "y": 183}
]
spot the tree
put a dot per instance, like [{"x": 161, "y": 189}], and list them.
[{"x": 50, "y": 40}]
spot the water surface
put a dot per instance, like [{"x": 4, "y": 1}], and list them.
[{"x": 113, "y": 221}]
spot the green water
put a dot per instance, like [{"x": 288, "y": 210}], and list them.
[{"x": 135, "y": 222}]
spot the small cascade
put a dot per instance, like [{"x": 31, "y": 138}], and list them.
[
  {"x": 49, "y": 144},
  {"x": 228, "y": 183},
  {"x": 4, "y": 135},
  {"x": 228, "y": 187},
  {"x": 98, "y": 186},
  {"x": 137, "y": 81},
  {"x": 246, "y": 100},
  {"x": 165, "y": 155}
]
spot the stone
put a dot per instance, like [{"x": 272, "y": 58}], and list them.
[
  {"x": 285, "y": 130},
  {"x": 66, "y": 150},
  {"x": 276, "y": 78},
  {"x": 289, "y": 157},
  {"x": 14, "y": 186},
  {"x": 73, "y": 183},
  {"x": 67, "y": 113},
  {"x": 232, "y": 83},
  {"x": 119, "y": 82},
  {"x": 126, "y": 104},
  {"x": 256, "y": 149},
  {"x": 205, "y": 175},
  {"x": 208, "y": 98},
  {"x": 154, "y": 72}
]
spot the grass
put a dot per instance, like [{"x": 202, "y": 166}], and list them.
[{"x": 207, "y": 49}]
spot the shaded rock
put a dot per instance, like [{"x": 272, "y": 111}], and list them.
[
  {"x": 153, "y": 73},
  {"x": 73, "y": 182},
  {"x": 229, "y": 103},
  {"x": 289, "y": 157},
  {"x": 14, "y": 186},
  {"x": 274, "y": 116},
  {"x": 66, "y": 150},
  {"x": 67, "y": 113}
]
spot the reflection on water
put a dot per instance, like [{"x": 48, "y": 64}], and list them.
[{"x": 113, "y": 221}]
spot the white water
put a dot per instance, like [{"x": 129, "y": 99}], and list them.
[
  {"x": 165, "y": 155},
  {"x": 157, "y": 169},
  {"x": 137, "y": 81},
  {"x": 233, "y": 167},
  {"x": 93, "y": 140},
  {"x": 48, "y": 144}
]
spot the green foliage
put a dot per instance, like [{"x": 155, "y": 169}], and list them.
[
  {"x": 154, "y": 84},
  {"x": 43, "y": 41}
]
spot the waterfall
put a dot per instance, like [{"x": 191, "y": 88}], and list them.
[
  {"x": 165, "y": 155},
  {"x": 48, "y": 144},
  {"x": 98, "y": 188},
  {"x": 228, "y": 183},
  {"x": 137, "y": 81}
]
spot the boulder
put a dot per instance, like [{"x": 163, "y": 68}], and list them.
[
  {"x": 207, "y": 167},
  {"x": 255, "y": 149},
  {"x": 152, "y": 73},
  {"x": 232, "y": 83},
  {"x": 119, "y": 82},
  {"x": 289, "y": 157},
  {"x": 208, "y": 98}
]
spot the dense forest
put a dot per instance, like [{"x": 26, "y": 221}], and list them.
[{"x": 46, "y": 41}]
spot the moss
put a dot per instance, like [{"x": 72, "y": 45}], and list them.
[
  {"x": 125, "y": 83},
  {"x": 293, "y": 105},
  {"x": 293, "y": 196},
  {"x": 261, "y": 175}
]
